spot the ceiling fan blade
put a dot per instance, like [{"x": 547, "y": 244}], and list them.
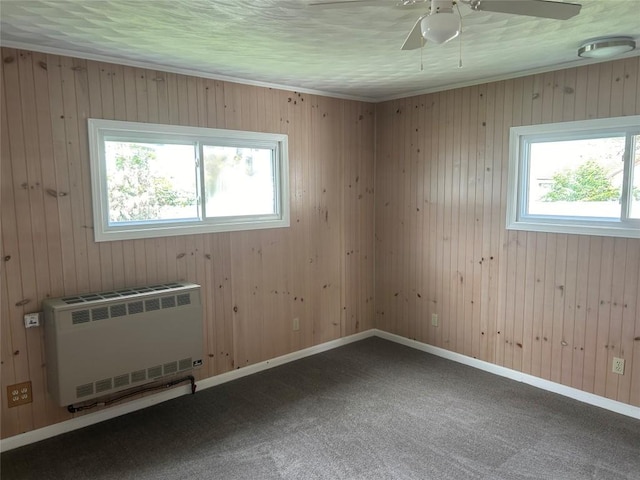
[
  {"x": 403, "y": 4},
  {"x": 532, "y": 8},
  {"x": 343, "y": 3},
  {"x": 414, "y": 39}
]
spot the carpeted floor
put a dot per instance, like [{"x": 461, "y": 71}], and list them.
[{"x": 370, "y": 410}]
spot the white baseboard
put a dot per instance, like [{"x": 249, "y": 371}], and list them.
[
  {"x": 118, "y": 410},
  {"x": 289, "y": 357},
  {"x": 108, "y": 413},
  {"x": 580, "y": 395}
]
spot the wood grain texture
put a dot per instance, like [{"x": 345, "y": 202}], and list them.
[
  {"x": 555, "y": 306},
  {"x": 319, "y": 270}
]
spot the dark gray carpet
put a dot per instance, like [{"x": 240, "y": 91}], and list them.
[{"x": 369, "y": 410}]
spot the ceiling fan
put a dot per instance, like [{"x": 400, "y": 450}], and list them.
[{"x": 441, "y": 24}]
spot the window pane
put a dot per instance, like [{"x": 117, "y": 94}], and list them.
[
  {"x": 576, "y": 178},
  {"x": 150, "y": 182},
  {"x": 634, "y": 211},
  {"x": 239, "y": 181}
]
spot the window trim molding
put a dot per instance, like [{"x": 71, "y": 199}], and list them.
[
  {"x": 99, "y": 128},
  {"x": 517, "y": 180}
]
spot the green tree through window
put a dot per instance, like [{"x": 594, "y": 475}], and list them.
[
  {"x": 589, "y": 182},
  {"x": 136, "y": 193}
]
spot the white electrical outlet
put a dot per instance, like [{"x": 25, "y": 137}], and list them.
[
  {"x": 434, "y": 319},
  {"x": 618, "y": 366},
  {"x": 32, "y": 320},
  {"x": 296, "y": 324}
]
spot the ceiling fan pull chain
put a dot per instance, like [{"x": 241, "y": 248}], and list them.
[{"x": 421, "y": 58}]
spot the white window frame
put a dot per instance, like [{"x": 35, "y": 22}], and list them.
[
  {"x": 520, "y": 140},
  {"x": 100, "y": 129}
]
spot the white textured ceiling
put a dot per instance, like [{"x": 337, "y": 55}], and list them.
[{"x": 351, "y": 51}]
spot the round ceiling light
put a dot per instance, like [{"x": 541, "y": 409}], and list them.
[
  {"x": 440, "y": 27},
  {"x": 607, "y": 47}
]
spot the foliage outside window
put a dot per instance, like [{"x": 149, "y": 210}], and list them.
[
  {"x": 576, "y": 177},
  {"x": 158, "y": 180}
]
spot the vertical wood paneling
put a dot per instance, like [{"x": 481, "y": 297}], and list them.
[
  {"x": 472, "y": 302},
  {"x": 557, "y": 306},
  {"x": 627, "y": 306},
  {"x": 19, "y": 230},
  {"x": 591, "y": 328},
  {"x": 481, "y": 287},
  {"x": 577, "y": 338},
  {"x": 11, "y": 264},
  {"x": 616, "y": 302},
  {"x": 268, "y": 276},
  {"x": 430, "y": 223},
  {"x": 32, "y": 256},
  {"x": 634, "y": 372}
]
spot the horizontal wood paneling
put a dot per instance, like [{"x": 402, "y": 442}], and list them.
[
  {"x": 556, "y": 306},
  {"x": 319, "y": 270}
]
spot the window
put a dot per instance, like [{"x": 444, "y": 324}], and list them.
[
  {"x": 576, "y": 177},
  {"x": 154, "y": 180}
]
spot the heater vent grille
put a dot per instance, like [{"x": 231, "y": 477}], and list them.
[
  {"x": 154, "y": 372},
  {"x": 132, "y": 308},
  {"x": 170, "y": 368},
  {"x": 138, "y": 376},
  {"x": 121, "y": 380},
  {"x": 183, "y": 299},
  {"x": 101, "y": 313},
  {"x": 127, "y": 292},
  {"x": 153, "y": 304},
  {"x": 135, "y": 307},
  {"x": 119, "y": 310},
  {"x": 104, "y": 385},
  {"x": 185, "y": 364},
  {"x": 81, "y": 316},
  {"x": 168, "y": 302},
  {"x": 84, "y": 390}
]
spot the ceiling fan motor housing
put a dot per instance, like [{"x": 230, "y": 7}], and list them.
[{"x": 441, "y": 6}]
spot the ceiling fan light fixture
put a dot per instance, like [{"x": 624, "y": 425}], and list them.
[
  {"x": 440, "y": 27},
  {"x": 606, "y": 47}
]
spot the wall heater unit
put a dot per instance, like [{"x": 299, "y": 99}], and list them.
[{"x": 101, "y": 343}]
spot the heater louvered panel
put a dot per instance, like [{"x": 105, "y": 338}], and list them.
[
  {"x": 185, "y": 364},
  {"x": 183, "y": 299},
  {"x": 119, "y": 310},
  {"x": 99, "y": 313},
  {"x": 152, "y": 304},
  {"x": 155, "y": 372},
  {"x": 100, "y": 343},
  {"x": 84, "y": 390},
  {"x": 121, "y": 380},
  {"x": 139, "y": 376},
  {"x": 169, "y": 368},
  {"x": 104, "y": 385},
  {"x": 81, "y": 316},
  {"x": 135, "y": 307},
  {"x": 169, "y": 302}
]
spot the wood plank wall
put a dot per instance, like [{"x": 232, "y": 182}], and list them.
[
  {"x": 555, "y": 306},
  {"x": 319, "y": 270}
]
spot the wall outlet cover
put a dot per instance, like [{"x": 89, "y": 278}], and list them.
[
  {"x": 19, "y": 394},
  {"x": 618, "y": 366}
]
